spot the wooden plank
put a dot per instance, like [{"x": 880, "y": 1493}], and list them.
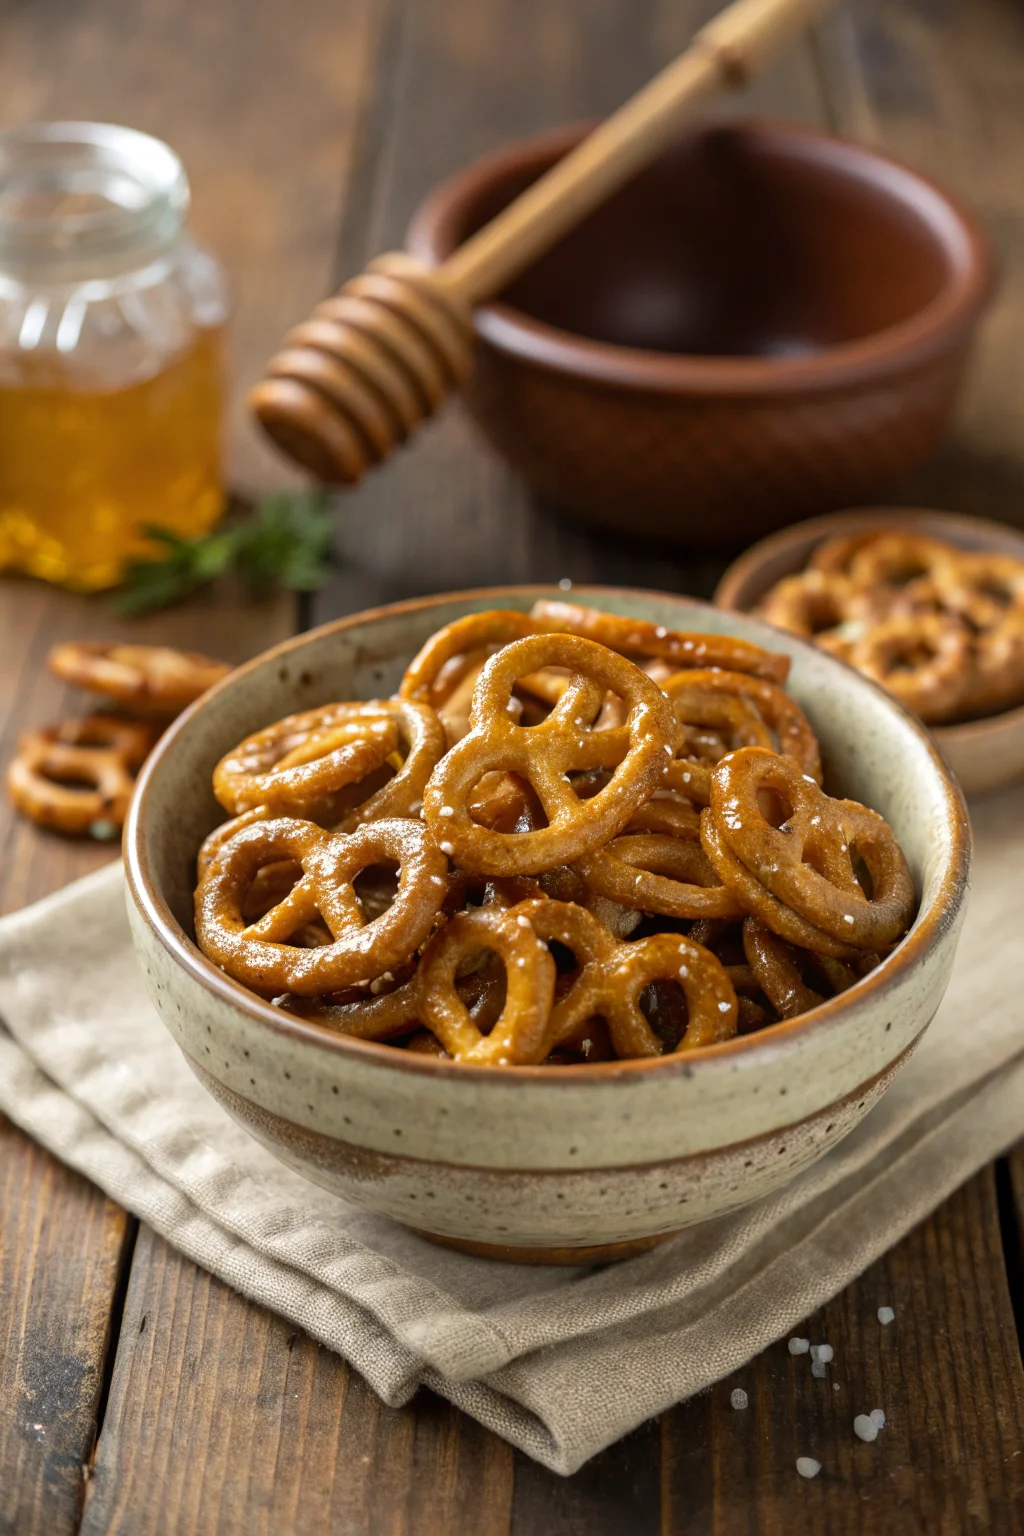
[
  {"x": 942, "y": 86},
  {"x": 62, "y": 1248},
  {"x": 618, "y": 1491},
  {"x": 222, "y": 1420},
  {"x": 947, "y": 1373},
  {"x": 446, "y": 513}
]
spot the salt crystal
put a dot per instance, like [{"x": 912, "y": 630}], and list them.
[
  {"x": 807, "y": 1466},
  {"x": 799, "y": 1346},
  {"x": 878, "y": 1417},
  {"x": 447, "y": 810},
  {"x": 886, "y": 1315},
  {"x": 738, "y": 1398},
  {"x": 819, "y": 1369},
  {"x": 375, "y": 986},
  {"x": 524, "y": 922},
  {"x": 724, "y": 1007},
  {"x": 865, "y": 1428},
  {"x": 565, "y": 584},
  {"x": 448, "y": 848},
  {"x": 822, "y": 1352}
]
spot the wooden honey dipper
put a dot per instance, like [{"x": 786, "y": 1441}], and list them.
[{"x": 377, "y": 358}]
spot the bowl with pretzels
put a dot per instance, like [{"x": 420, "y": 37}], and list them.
[
  {"x": 928, "y": 604},
  {"x": 547, "y": 925}
]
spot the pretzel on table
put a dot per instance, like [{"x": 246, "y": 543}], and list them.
[
  {"x": 153, "y": 679},
  {"x": 77, "y": 778}
]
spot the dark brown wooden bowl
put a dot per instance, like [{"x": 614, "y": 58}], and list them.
[{"x": 765, "y": 323}]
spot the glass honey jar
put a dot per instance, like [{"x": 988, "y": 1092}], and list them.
[{"x": 111, "y": 353}]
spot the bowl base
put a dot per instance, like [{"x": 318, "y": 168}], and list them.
[{"x": 595, "y": 1253}]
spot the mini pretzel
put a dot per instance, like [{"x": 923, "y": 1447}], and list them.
[
  {"x": 544, "y": 754},
  {"x": 612, "y": 976},
  {"x": 519, "y": 1035},
  {"x": 900, "y": 559},
  {"x": 779, "y": 969},
  {"x": 745, "y": 709},
  {"x": 78, "y": 778},
  {"x": 468, "y": 641},
  {"x": 654, "y": 873},
  {"x": 637, "y": 637},
  {"x": 387, "y": 1016},
  {"x": 155, "y": 679},
  {"x": 922, "y": 659},
  {"x": 809, "y": 602},
  {"x": 259, "y": 954},
  {"x": 806, "y": 863},
  {"x": 302, "y": 764}
]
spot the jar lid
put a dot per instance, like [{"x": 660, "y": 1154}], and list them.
[{"x": 84, "y": 198}]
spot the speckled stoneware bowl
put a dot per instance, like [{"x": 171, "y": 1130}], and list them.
[
  {"x": 542, "y": 1163},
  {"x": 983, "y": 754}
]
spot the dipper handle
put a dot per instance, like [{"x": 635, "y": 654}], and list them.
[{"x": 375, "y": 360}]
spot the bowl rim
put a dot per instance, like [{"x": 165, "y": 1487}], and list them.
[
  {"x": 929, "y": 926},
  {"x": 851, "y": 519},
  {"x": 907, "y": 344}
]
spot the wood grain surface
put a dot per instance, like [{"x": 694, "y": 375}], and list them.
[{"x": 311, "y": 132}]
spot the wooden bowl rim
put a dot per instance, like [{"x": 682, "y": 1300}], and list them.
[
  {"x": 930, "y": 925},
  {"x": 960, "y": 525},
  {"x": 940, "y": 326}
]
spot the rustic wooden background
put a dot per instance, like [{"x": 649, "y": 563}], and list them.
[{"x": 139, "y": 1395}]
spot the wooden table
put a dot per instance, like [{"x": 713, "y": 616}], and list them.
[{"x": 137, "y": 1394}]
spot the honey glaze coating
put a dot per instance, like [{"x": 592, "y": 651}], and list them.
[
  {"x": 940, "y": 627},
  {"x": 615, "y": 845}
]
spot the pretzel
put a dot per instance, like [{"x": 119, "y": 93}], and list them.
[
  {"x": 747, "y": 710},
  {"x": 387, "y": 1016},
  {"x": 303, "y": 764},
  {"x": 810, "y": 602},
  {"x": 806, "y": 862},
  {"x": 153, "y": 679},
  {"x": 922, "y": 659},
  {"x": 260, "y": 955},
  {"x": 546, "y": 753},
  {"x": 654, "y": 873},
  {"x": 430, "y": 677},
  {"x": 519, "y": 1035},
  {"x": 78, "y": 777},
  {"x": 611, "y": 978},
  {"x": 638, "y": 637},
  {"x": 892, "y": 559}
]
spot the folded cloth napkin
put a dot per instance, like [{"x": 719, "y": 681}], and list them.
[{"x": 563, "y": 1361}]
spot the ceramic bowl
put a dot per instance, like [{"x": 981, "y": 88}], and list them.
[
  {"x": 765, "y": 323},
  {"x": 541, "y": 1163},
  {"x": 984, "y": 754}
]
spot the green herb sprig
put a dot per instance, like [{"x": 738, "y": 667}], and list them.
[{"x": 286, "y": 540}]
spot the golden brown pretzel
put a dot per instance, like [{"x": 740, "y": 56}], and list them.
[
  {"x": 780, "y": 968},
  {"x": 806, "y": 861},
  {"x": 260, "y": 955},
  {"x": 430, "y": 678},
  {"x": 519, "y": 1035},
  {"x": 545, "y": 754},
  {"x": 155, "y": 679},
  {"x": 809, "y": 602},
  {"x": 612, "y": 976},
  {"x": 638, "y": 637},
  {"x": 78, "y": 777},
  {"x": 922, "y": 659},
  {"x": 744, "y": 711},
  {"x": 654, "y": 873}
]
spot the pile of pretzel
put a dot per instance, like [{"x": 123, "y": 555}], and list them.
[
  {"x": 570, "y": 836},
  {"x": 77, "y": 777},
  {"x": 941, "y": 628}
]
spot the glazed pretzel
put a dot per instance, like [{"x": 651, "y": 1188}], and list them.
[
  {"x": 443, "y": 661},
  {"x": 303, "y": 764},
  {"x": 654, "y": 873},
  {"x": 746, "y": 711},
  {"x": 780, "y": 970},
  {"x": 78, "y": 777},
  {"x": 806, "y": 863},
  {"x": 810, "y": 602},
  {"x": 612, "y": 976},
  {"x": 155, "y": 679},
  {"x": 922, "y": 659},
  {"x": 259, "y": 954},
  {"x": 638, "y": 637},
  {"x": 519, "y": 1036},
  {"x": 388, "y": 1016},
  {"x": 544, "y": 755}
]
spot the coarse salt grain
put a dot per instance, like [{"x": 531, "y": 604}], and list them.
[
  {"x": 565, "y": 584},
  {"x": 865, "y": 1428},
  {"x": 878, "y": 1417},
  {"x": 376, "y": 985},
  {"x": 819, "y": 1369},
  {"x": 661, "y": 632},
  {"x": 448, "y": 848},
  {"x": 807, "y": 1466},
  {"x": 822, "y": 1352},
  {"x": 523, "y": 922},
  {"x": 447, "y": 810},
  {"x": 799, "y": 1346},
  {"x": 738, "y": 1397},
  {"x": 886, "y": 1315}
]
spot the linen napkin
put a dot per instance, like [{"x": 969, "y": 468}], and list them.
[{"x": 561, "y": 1362}]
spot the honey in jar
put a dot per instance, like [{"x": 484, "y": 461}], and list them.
[{"x": 111, "y": 353}]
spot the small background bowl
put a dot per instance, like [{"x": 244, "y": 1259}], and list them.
[
  {"x": 984, "y": 754},
  {"x": 765, "y": 323},
  {"x": 541, "y": 1163}
]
